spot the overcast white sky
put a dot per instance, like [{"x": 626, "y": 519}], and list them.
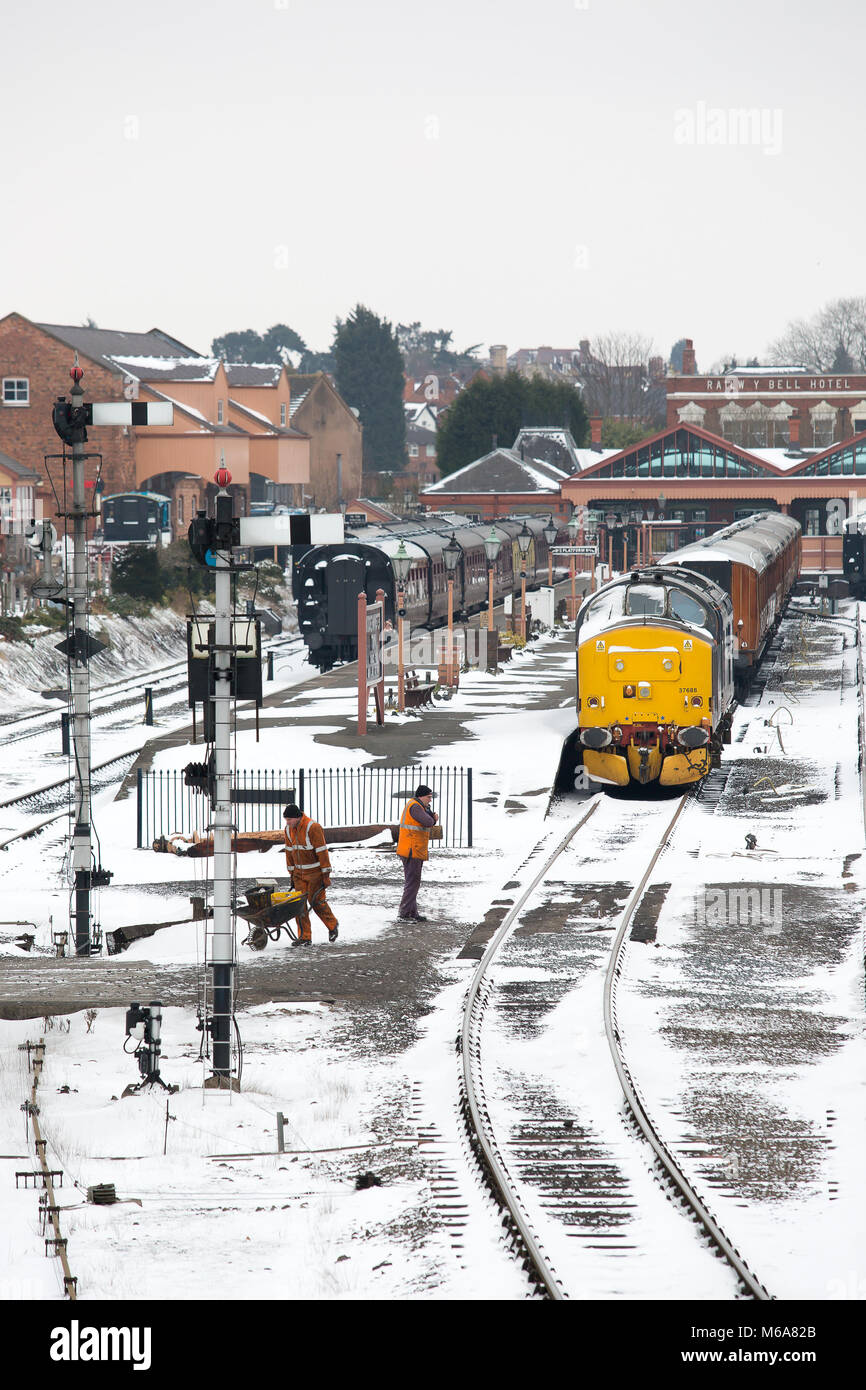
[{"x": 518, "y": 172}]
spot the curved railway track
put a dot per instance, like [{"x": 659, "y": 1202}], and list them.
[
  {"x": 553, "y": 1146},
  {"x": 123, "y": 694}
]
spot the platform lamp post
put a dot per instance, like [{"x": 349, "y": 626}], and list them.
[
  {"x": 451, "y": 554},
  {"x": 524, "y": 541},
  {"x": 551, "y": 531},
  {"x": 492, "y": 547},
  {"x": 401, "y": 564},
  {"x": 573, "y": 529}
]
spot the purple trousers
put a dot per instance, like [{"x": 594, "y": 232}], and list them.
[{"x": 411, "y": 883}]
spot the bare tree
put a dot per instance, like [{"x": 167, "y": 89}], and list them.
[
  {"x": 616, "y": 376},
  {"x": 834, "y": 339}
]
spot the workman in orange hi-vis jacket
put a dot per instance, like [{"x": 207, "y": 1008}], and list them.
[
  {"x": 309, "y": 864},
  {"x": 415, "y": 825}
]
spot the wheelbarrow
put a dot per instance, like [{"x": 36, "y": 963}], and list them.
[{"x": 269, "y": 912}]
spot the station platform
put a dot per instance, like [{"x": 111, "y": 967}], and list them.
[{"x": 400, "y": 740}]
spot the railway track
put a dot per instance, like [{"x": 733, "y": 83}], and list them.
[
  {"x": 124, "y": 694},
  {"x": 52, "y": 797},
  {"x": 568, "y": 1189}
]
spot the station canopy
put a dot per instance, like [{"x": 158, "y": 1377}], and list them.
[{"x": 683, "y": 452}]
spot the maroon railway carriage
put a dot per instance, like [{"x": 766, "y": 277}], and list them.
[{"x": 757, "y": 562}]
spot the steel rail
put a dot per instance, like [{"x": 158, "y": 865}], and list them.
[
  {"x": 165, "y": 680},
  {"x": 64, "y": 781},
  {"x": 473, "y": 1088},
  {"x": 629, "y": 1086}
]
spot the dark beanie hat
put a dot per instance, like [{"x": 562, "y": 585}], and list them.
[
  {"x": 292, "y": 811},
  {"x": 424, "y": 791}
]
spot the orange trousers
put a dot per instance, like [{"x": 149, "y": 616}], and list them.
[{"x": 310, "y": 883}]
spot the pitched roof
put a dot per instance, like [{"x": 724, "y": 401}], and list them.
[
  {"x": 256, "y": 416},
  {"x": 10, "y": 465},
  {"x": 654, "y": 456},
  {"x": 419, "y": 434},
  {"x": 168, "y": 368},
  {"x": 549, "y": 444},
  {"x": 205, "y": 425},
  {"x": 253, "y": 373},
  {"x": 502, "y": 470},
  {"x": 102, "y": 344}
]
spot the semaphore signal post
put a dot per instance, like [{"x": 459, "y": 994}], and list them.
[{"x": 71, "y": 419}]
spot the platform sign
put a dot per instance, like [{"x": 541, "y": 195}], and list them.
[
  {"x": 574, "y": 550},
  {"x": 375, "y": 636},
  {"x": 371, "y": 657}
]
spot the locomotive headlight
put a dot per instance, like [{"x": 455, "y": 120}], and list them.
[
  {"x": 644, "y": 690},
  {"x": 616, "y": 732},
  {"x": 628, "y": 692},
  {"x": 697, "y": 700},
  {"x": 593, "y": 702},
  {"x": 668, "y": 664},
  {"x": 620, "y": 665}
]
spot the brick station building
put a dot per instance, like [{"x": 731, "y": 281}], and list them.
[
  {"x": 768, "y": 407},
  {"x": 766, "y": 438},
  {"x": 696, "y": 482}
]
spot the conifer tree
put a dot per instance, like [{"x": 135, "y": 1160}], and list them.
[{"x": 369, "y": 372}]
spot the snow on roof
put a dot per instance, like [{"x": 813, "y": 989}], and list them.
[
  {"x": 253, "y": 373},
  {"x": 588, "y": 458},
  {"x": 502, "y": 470},
  {"x": 766, "y": 371},
  {"x": 169, "y": 368},
  {"x": 781, "y": 458}
]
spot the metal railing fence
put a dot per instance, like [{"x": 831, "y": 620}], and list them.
[{"x": 332, "y": 796}]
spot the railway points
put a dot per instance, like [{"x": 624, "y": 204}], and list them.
[{"x": 369, "y": 1028}]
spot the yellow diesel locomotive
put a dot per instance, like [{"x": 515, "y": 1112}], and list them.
[{"x": 655, "y": 680}]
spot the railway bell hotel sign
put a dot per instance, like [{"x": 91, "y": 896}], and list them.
[{"x": 729, "y": 385}]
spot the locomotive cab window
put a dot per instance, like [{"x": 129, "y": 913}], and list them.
[
  {"x": 687, "y": 609},
  {"x": 645, "y": 601}
]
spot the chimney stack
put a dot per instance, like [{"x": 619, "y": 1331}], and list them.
[
  {"x": 689, "y": 364},
  {"x": 595, "y": 432},
  {"x": 499, "y": 358}
]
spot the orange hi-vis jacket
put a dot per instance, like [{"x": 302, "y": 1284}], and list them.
[
  {"x": 306, "y": 850},
  {"x": 413, "y": 838}
]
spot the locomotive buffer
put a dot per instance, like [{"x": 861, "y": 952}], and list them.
[{"x": 71, "y": 419}]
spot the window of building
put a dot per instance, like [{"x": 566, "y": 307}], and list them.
[
  {"x": 413, "y": 451},
  {"x": 431, "y": 451},
  {"x": 16, "y": 390},
  {"x": 219, "y": 412},
  {"x": 283, "y": 414},
  {"x": 823, "y": 431},
  {"x": 823, "y": 425},
  {"x": 812, "y": 522},
  {"x": 180, "y": 509}
]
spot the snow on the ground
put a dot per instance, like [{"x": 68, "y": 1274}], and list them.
[{"x": 294, "y": 1225}]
